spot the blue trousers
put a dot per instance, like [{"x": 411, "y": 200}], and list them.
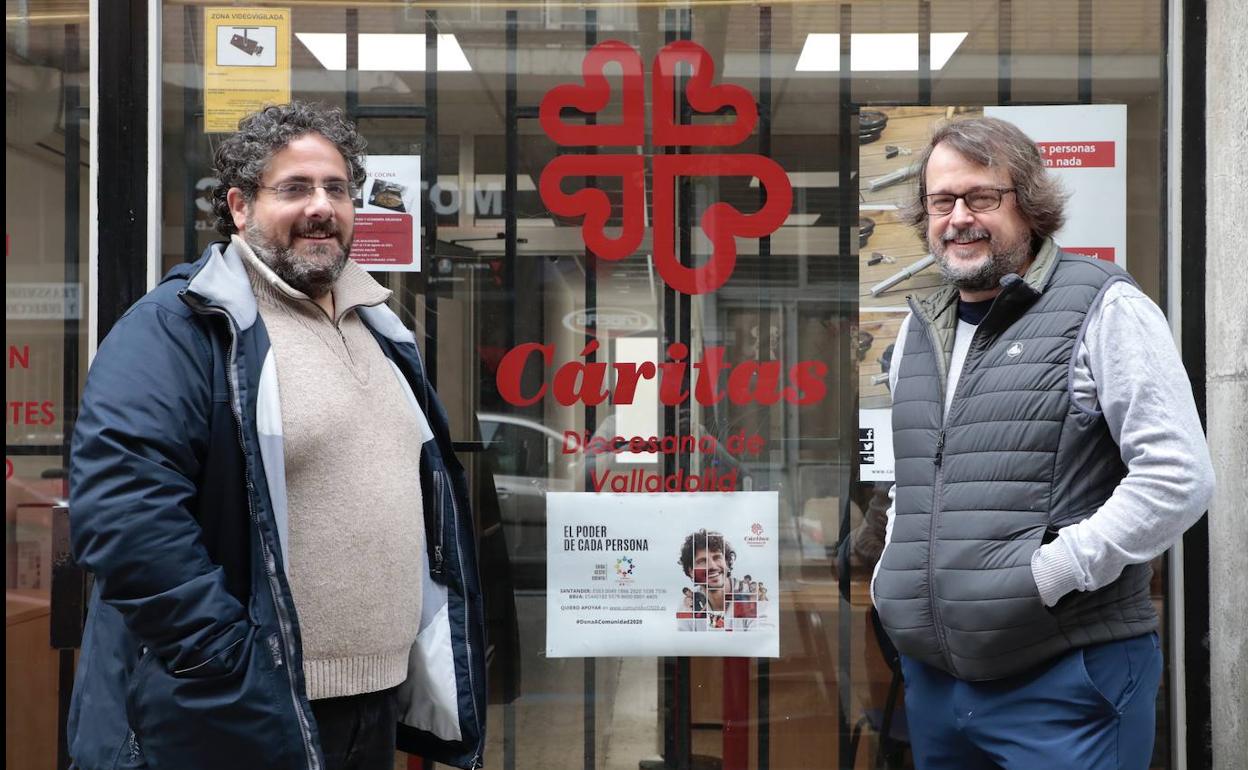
[{"x": 1093, "y": 708}]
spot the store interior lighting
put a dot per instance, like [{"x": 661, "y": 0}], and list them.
[
  {"x": 385, "y": 52},
  {"x": 876, "y": 51}
]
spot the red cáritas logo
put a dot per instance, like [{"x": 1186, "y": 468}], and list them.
[{"x": 721, "y": 222}]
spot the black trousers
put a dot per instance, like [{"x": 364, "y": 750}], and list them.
[{"x": 357, "y": 732}]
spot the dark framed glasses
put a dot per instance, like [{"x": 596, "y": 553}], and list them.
[{"x": 979, "y": 200}]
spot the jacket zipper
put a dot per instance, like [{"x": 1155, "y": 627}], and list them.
[
  {"x": 270, "y": 564},
  {"x": 476, "y": 759},
  {"x": 938, "y": 486},
  {"x": 437, "y": 510},
  {"x": 938, "y": 353}
]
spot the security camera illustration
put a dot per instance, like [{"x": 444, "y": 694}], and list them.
[{"x": 246, "y": 44}]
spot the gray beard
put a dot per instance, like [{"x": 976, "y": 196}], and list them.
[
  {"x": 314, "y": 279},
  {"x": 1005, "y": 259}
]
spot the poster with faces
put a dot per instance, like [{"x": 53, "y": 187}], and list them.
[{"x": 652, "y": 574}]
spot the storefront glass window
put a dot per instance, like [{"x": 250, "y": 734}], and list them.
[
  {"x": 46, "y": 295},
  {"x": 767, "y": 368}
]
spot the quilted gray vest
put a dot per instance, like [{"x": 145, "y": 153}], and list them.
[{"x": 979, "y": 490}]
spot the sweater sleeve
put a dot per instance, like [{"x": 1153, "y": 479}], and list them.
[{"x": 1128, "y": 368}]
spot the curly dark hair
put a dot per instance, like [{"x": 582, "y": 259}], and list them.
[
  {"x": 241, "y": 159},
  {"x": 992, "y": 142},
  {"x": 704, "y": 540}
]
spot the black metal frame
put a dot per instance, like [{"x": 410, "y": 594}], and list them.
[
  {"x": 763, "y": 665},
  {"x": 1005, "y": 50},
  {"x": 122, "y": 154},
  {"x": 847, "y": 198},
  {"x": 590, "y": 673},
  {"x": 1192, "y": 335},
  {"x": 677, "y": 328}
]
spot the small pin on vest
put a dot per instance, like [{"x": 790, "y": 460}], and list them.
[{"x": 1015, "y": 350}]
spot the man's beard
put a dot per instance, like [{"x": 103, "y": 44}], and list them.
[
  {"x": 314, "y": 274},
  {"x": 1004, "y": 258}
]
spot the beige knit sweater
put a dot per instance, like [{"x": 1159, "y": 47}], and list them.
[{"x": 352, "y": 452}]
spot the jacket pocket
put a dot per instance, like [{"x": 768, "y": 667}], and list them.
[{"x": 225, "y": 712}]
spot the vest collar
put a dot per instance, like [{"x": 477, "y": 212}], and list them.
[
  {"x": 940, "y": 308},
  {"x": 1041, "y": 271},
  {"x": 936, "y": 305}
]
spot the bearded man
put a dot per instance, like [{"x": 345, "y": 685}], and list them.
[
  {"x": 263, "y": 485},
  {"x": 1047, "y": 448}
]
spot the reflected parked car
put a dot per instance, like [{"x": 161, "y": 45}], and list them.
[{"x": 528, "y": 463}]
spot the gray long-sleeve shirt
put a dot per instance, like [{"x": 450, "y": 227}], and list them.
[{"x": 1127, "y": 367}]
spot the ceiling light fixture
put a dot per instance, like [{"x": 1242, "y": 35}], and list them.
[
  {"x": 876, "y": 51},
  {"x": 385, "y": 52}
]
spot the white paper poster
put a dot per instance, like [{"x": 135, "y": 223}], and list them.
[
  {"x": 689, "y": 574},
  {"x": 875, "y": 444},
  {"x": 387, "y": 215},
  {"x": 1085, "y": 146}
]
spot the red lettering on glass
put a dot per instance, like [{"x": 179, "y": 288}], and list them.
[
  {"x": 721, "y": 222},
  {"x": 759, "y": 382},
  {"x": 511, "y": 368}
]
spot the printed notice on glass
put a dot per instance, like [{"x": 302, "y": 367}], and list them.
[
  {"x": 1084, "y": 146},
  {"x": 387, "y": 215},
  {"x": 692, "y": 574},
  {"x": 246, "y": 63},
  {"x": 875, "y": 445}
]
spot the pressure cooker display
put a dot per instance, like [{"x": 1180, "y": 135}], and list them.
[{"x": 387, "y": 195}]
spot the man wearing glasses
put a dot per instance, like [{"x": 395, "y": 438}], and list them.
[
  {"x": 264, "y": 488},
  {"x": 1047, "y": 448}
]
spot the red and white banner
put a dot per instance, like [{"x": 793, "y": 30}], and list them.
[
  {"x": 387, "y": 215},
  {"x": 1077, "y": 154}
]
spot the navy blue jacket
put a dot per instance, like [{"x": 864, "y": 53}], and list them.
[{"x": 191, "y": 656}]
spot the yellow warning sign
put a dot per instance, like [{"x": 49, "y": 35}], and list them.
[{"x": 246, "y": 63}]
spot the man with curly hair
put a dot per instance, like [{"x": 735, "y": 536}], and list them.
[
  {"x": 1047, "y": 449},
  {"x": 706, "y": 557},
  {"x": 263, "y": 485}
]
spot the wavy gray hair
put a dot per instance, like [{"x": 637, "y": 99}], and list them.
[
  {"x": 992, "y": 142},
  {"x": 242, "y": 158}
]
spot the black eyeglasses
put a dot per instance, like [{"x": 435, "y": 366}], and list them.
[
  {"x": 291, "y": 192},
  {"x": 979, "y": 200}
]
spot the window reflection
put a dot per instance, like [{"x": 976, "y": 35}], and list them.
[{"x": 802, "y": 295}]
